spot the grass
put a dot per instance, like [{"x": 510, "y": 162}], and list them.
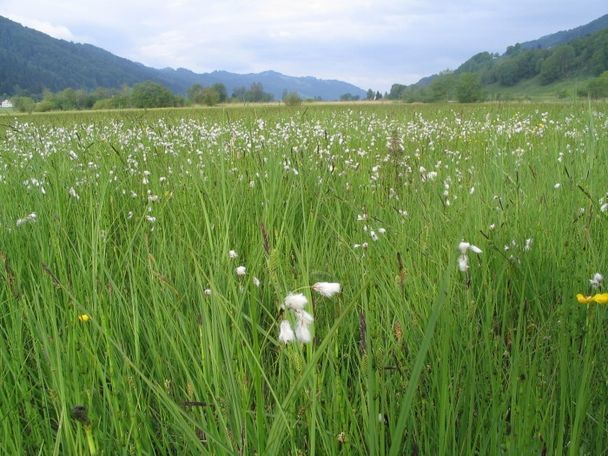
[
  {"x": 136, "y": 213},
  {"x": 533, "y": 90}
]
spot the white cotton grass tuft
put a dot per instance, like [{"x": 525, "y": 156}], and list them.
[
  {"x": 463, "y": 259},
  {"x": 304, "y": 317},
  {"x": 30, "y": 218},
  {"x": 327, "y": 289},
  {"x": 596, "y": 280},
  {"x": 466, "y": 246},
  {"x": 295, "y": 301},
  {"x": 73, "y": 194},
  {"x": 232, "y": 254},
  {"x": 286, "y": 334},
  {"x": 256, "y": 282},
  {"x": 463, "y": 263},
  {"x": 240, "y": 271},
  {"x": 303, "y": 333}
]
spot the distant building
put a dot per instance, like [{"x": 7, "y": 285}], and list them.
[{"x": 6, "y": 104}]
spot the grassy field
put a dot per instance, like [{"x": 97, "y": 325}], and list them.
[
  {"x": 532, "y": 90},
  {"x": 126, "y": 327}
]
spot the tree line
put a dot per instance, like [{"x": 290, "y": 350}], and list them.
[
  {"x": 146, "y": 94},
  {"x": 151, "y": 94}
]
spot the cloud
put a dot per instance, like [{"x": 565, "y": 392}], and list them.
[
  {"x": 371, "y": 43},
  {"x": 56, "y": 31}
]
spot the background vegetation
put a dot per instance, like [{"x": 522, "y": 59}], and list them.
[{"x": 527, "y": 70}]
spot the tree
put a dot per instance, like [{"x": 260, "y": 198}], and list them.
[
  {"x": 23, "y": 104},
  {"x": 152, "y": 95},
  {"x": 507, "y": 72},
  {"x": 378, "y": 96},
  {"x": 292, "y": 99},
  {"x": 513, "y": 50},
  {"x": 349, "y": 97},
  {"x": 210, "y": 96},
  {"x": 597, "y": 87},
  {"x": 468, "y": 89},
  {"x": 221, "y": 91},
  {"x": 256, "y": 93},
  {"x": 482, "y": 61},
  {"x": 195, "y": 93},
  {"x": 396, "y": 92},
  {"x": 558, "y": 64},
  {"x": 369, "y": 95},
  {"x": 442, "y": 86},
  {"x": 239, "y": 94}
]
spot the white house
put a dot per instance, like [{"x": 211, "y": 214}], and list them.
[{"x": 6, "y": 104}]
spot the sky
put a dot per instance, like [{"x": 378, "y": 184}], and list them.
[{"x": 372, "y": 44}]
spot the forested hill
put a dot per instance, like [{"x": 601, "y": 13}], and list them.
[
  {"x": 586, "y": 56},
  {"x": 31, "y": 61},
  {"x": 580, "y": 59},
  {"x": 565, "y": 36}
]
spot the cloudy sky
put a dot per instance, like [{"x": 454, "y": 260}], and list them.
[{"x": 369, "y": 43}]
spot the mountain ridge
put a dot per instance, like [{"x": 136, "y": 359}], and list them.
[
  {"x": 565, "y": 36},
  {"x": 576, "y": 55},
  {"x": 32, "y": 61}
]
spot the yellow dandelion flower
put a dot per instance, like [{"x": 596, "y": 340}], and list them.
[
  {"x": 599, "y": 298},
  {"x": 84, "y": 318}
]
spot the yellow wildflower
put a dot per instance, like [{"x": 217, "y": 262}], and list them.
[
  {"x": 599, "y": 298},
  {"x": 583, "y": 299},
  {"x": 84, "y": 318}
]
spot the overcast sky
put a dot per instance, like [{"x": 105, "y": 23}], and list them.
[{"x": 369, "y": 43}]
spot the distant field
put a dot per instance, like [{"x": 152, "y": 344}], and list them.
[
  {"x": 128, "y": 327},
  {"x": 533, "y": 90}
]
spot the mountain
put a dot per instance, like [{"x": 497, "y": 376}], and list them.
[
  {"x": 273, "y": 82},
  {"x": 565, "y": 36},
  {"x": 563, "y": 59},
  {"x": 31, "y": 61}
]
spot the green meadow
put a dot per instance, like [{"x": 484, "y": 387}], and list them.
[{"x": 127, "y": 325}]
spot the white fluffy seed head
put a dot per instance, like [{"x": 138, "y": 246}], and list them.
[
  {"x": 463, "y": 247},
  {"x": 286, "y": 334},
  {"x": 466, "y": 246},
  {"x": 596, "y": 280},
  {"x": 241, "y": 271},
  {"x": 27, "y": 219},
  {"x": 327, "y": 289},
  {"x": 303, "y": 333},
  {"x": 295, "y": 301},
  {"x": 475, "y": 249},
  {"x": 463, "y": 263},
  {"x": 304, "y": 317}
]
